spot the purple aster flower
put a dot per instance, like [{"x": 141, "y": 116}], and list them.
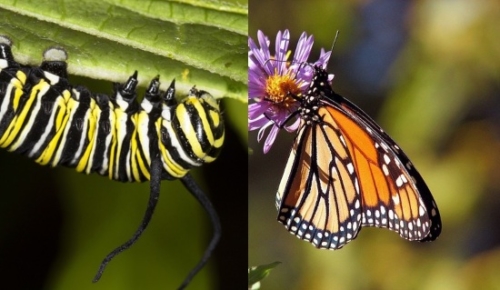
[{"x": 273, "y": 80}]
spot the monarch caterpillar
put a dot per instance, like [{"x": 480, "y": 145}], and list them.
[
  {"x": 47, "y": 119},
  {"x": 344, "y": 172}
]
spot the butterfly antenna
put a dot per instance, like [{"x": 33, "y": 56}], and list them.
[{"x": 335, "y": 40}]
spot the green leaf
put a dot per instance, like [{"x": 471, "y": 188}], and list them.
[
  {"x": 256, "y": 274},
  {"x": 202, "y": 43}
]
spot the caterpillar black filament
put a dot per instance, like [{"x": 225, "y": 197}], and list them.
[{"x": 47, "y": 119}]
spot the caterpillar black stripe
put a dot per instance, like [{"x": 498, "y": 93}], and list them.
[{"x": 47, "y": 119}]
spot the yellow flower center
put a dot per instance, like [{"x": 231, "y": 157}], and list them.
[{"x": 280, "y": 88}]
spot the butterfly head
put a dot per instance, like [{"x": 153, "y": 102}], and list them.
[{"x": 311, "y": 100}]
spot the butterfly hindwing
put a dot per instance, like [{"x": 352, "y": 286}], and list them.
[{"x": 409, "y": 209}]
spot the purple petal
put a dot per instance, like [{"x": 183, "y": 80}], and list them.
[
  {"x": 262, "y": 113},
  {"x": 270, "y": 139}
]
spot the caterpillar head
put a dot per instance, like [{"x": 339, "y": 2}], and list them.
[{"x": 199, "y": 129}]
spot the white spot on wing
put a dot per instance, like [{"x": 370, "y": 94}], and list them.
[
  {"x": 395, "y": 199},
  {"x": 350, "y": 168},
  {"x": 385, "y": 170},
  {"x": 399, "y": 181},
  {"x": 421, "y": 210}
]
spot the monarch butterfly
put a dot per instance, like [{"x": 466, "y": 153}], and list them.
[
  {"x": 344, "y": 172},
  {"x": 47, "y": 119}
]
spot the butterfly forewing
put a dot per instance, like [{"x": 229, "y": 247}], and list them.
[{"x": 318, "y": 198}]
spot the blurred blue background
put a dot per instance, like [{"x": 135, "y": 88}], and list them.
[{"x": 429, "y": 73}]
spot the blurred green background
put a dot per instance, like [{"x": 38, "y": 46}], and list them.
[
  {"x": 56, "y": 225},
  {"x": 429, "y": 73}
]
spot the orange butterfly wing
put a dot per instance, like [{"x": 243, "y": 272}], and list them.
[{"x": 344, "y": 172}]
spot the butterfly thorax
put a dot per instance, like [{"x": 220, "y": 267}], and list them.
[
  {"x": 308, "y": 109},
  {"x": 311, "y": 101}
]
